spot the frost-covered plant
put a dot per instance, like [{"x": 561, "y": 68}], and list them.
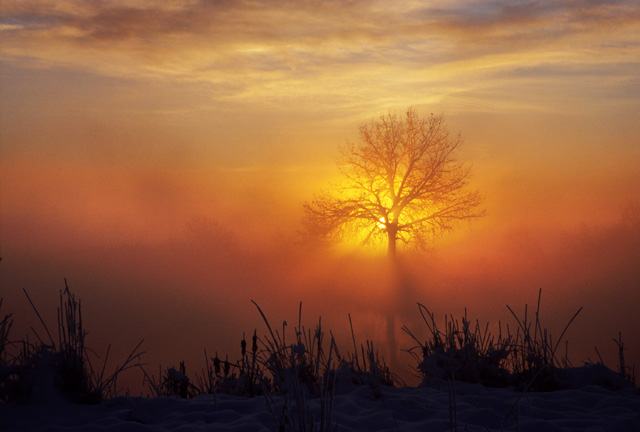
[
  {"x": 176, "y": 383},
  {"x": 275, "y": 364},
  {"x": 7, "y": 380},
  {"x": 461, "y": 352},
  {"x": 302, "y": 361},
  {"x": 534, "y": 360},
  {"x": 464, "y": 352},
  {"x": 295, "y": 414},
  {"x": 5, "y": 327},
  {"x": 626, "y": 372},
  {"x": 368, "y": 368},
  {"x": 63, "y": 366},
  {"x": 243, "y": 378}
]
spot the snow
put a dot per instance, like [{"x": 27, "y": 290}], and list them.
[{"x": 595, "y": 401}]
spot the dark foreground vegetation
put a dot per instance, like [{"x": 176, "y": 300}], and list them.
[{"x": 298, "y": 362}]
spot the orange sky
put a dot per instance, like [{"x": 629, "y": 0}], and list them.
[{"x": 143, "y": 141}]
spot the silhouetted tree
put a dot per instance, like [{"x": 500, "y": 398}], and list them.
[{"x": 402, "y": 182}]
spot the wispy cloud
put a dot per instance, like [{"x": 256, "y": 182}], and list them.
[
  {"x": 277, "y": 50},
  {"x": 285, "y": 67}
]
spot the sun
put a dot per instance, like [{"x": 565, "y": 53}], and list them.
[{"x": 382, "y": 224}]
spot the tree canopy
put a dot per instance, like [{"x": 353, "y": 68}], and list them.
[{"x": 400, "y": 182}]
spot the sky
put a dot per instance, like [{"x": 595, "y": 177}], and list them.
[{"x": 157, "y": 155}]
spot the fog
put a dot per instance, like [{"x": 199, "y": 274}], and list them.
[
  {"x": 194, "y": 292},
  {"x": 160, "y": 164}
]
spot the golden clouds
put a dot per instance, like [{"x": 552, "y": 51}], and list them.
[{"x": 332, "y": 52}]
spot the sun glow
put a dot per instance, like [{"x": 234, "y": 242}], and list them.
[{"x": 382, "y": 224}]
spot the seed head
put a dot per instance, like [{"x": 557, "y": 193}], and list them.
[{"x": 254, "y": 347}]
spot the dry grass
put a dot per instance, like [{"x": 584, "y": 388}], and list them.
[
  {"x": 466, "y": 351},
  {"x": 296, "y": 362},
  {"x": 65, "y": 365}
]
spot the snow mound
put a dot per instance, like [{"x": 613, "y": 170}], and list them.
[{"x": 464, "y": 406}]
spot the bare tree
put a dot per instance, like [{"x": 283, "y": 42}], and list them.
[{"x": 402, "y": 182}]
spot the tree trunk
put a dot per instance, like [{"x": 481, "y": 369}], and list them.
[
  {"x": 395, "y": 301},
  {"x": 392, "y": 230}
]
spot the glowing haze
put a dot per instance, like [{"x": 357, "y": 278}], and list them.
[{"x": 157, "y": 154}]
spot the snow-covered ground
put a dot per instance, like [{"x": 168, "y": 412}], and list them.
[{"x": 589, "y": 405}]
